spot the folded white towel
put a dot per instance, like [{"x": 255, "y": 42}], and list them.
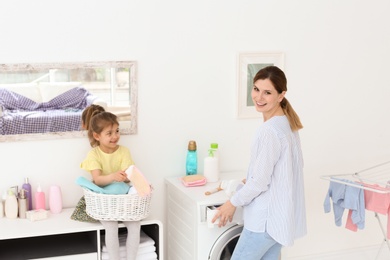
[
  {"x": 145, "y": 240},
  {"x": 146, "y": 243},
  {"x": 146, "y": 249},
  {"x": 121, "y": 254},
  {"x": 145, "y": 256},
  {"x": 141, "y": 250},
  {"x": 132, "y": 190},
  {"x": 121, "y": 248}
]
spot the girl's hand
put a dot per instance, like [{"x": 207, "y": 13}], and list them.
[
  {"x": 103, "y": 180},
  {"x": 119, "y": 176}
]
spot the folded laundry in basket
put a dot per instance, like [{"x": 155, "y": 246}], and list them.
[
  {"x": 138, "y": 180},
  {"x": 115, "y": 188},
  {"x": 193, "y": 180}
]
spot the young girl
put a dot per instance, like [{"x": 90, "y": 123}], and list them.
[
  {"x": 88, "y": 113},
  {"x": 107, "y": 162}
]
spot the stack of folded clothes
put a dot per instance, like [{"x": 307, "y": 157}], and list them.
[{"x": 146, "y": 250}]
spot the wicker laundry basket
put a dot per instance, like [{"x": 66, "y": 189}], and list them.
[{"x": 126, "y": 207}]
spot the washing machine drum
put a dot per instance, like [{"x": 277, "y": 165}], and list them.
[{"x": 225, "y": 244}]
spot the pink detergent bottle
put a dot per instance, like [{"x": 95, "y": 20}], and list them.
[{"x": 40, "y": 199}]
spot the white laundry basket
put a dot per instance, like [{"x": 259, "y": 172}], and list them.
[{"x": 126, "y": 207}]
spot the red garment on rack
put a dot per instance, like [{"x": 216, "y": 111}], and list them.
[{"x": 378, "y": 202}]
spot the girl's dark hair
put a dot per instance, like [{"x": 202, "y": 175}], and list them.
[
  {"x": 279, "y": 81},
  {"x": 88, "y": 113},
  {"x": 98, "y": 123}
]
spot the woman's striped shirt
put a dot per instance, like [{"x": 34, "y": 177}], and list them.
[{"x": 273, "y": 196}]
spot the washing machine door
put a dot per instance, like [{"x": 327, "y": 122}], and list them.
[{"x": 225, "y": 244}]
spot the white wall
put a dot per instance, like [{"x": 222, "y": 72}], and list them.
[{"x": 336, "y": 62}]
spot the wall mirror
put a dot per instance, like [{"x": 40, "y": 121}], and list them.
[{"x": 45, "y": 100}]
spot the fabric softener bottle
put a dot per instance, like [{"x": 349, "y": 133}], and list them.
[
  {"x": 40, "y": 199},
  {"x": 192, "y": 159},
  {"x": 27, "y": 187}
]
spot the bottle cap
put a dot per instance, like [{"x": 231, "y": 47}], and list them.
[
  {"x": 214, "y": 146},
  {"x": 39, "y": 189},
  {"x": 192, "y": 145},
  {"x": 26, "y": 180},
  {"x": 22, "y": 194}
]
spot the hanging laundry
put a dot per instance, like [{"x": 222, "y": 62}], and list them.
[
  {"x": 346, "y": 197},
  {"x": 378, "y": 202}
]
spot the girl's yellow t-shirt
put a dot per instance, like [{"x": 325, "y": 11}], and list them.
[{"x": 107, "y": 162}]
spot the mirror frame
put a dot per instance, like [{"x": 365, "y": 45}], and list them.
[{"x": 132, "y": 65}]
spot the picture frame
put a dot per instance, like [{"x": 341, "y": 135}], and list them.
[{"x": 248, "y": 65}]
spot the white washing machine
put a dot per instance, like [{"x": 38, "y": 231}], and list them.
[{"x": 189, "y": 236}]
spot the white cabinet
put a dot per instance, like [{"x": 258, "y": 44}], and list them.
[{"x": 59, "y": 237}]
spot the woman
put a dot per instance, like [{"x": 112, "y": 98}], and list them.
[{"x": 273, "y": 195}]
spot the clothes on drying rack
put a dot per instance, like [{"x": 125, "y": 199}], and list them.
[
  {"x": 378, "y": 202},
  {"x": 346, "y": 197},
  {"x": 146, "y": 250}
]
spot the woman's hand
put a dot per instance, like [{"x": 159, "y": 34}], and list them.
[{"x": 225, "y": 213}]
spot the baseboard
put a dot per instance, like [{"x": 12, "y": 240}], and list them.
[{"x": 379, "y": 252}]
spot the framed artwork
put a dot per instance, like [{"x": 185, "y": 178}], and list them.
[{"x": 248, "y": 65}]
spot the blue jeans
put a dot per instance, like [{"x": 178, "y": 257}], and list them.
[{"x": 256, "y": 246}]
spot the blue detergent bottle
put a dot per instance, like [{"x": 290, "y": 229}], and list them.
[{"x": 192, "y": 159}]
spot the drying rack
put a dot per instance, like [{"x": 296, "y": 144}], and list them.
[{"x": 379, "y": 175}]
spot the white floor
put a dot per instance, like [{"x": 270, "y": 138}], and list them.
[{"x": 367, "y": 253}]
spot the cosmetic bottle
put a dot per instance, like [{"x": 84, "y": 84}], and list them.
[
  {"x": 192, "y": 159},
  {"x": 40, "y": 199},
  {"x": 55, "y": 199},
  {"x": 27, "y": 187},
  {"x": 3, "y": 198},
  {"x": 214, "y": 146},
  {"x": 23, "y": 203},
  {"x": 211, "y": 167},
  {"x": 11, "y": 205},
  {"x": 1, "y": 207}
]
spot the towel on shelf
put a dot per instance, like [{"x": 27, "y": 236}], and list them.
[
  {"x": 141, "y": 250},
  {"x": 146, "y": 249},
  {"x": 151, "y": 257},
  {"x": 147, "y": 256},
  {"x": 145, "y": 241},
  {"x": 193, "y": 180},
  {"x": 122, "y": 254}
]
